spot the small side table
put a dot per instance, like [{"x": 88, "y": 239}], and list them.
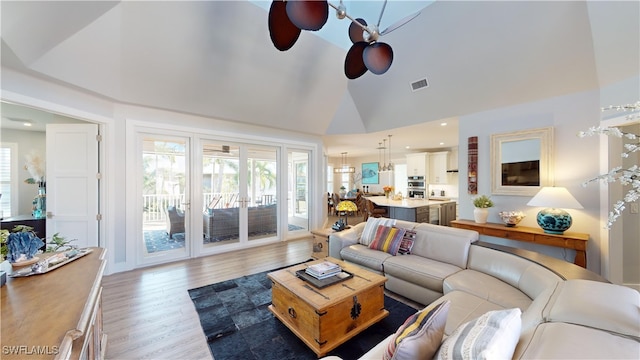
[{"x": 321, "y": 242}]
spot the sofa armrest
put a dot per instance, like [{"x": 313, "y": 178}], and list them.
[{"x": 342, "y": 239}]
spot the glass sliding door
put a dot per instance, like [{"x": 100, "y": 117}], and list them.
[
  {"x": 262, "y": 192},
  {"x": 239, "y": 190},
  {"x": 298, "y": 185},
  {"x": 221, "y": 194},
  {"x": 165, "y": 196}
]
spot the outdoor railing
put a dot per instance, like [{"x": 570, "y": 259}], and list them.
[{"x": 155, "y": 205}]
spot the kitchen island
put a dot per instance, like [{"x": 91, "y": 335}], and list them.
[{"x": 438, "y": 211}]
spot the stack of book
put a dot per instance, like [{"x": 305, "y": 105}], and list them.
[{"x": 323, "y": 270}]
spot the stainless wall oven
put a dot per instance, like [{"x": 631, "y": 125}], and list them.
[{"x": 416, "y": 187}]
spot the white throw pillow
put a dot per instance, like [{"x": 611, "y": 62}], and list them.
[
  {"x": 370, "y": 228},
  {"x": 493, "y": 335}
]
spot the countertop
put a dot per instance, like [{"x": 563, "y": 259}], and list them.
[{"x": 408, "y": 203}]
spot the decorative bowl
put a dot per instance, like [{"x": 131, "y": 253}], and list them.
[{"x": 511, "y": 218}]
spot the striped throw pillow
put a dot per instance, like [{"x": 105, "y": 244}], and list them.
[
  {"x": 370, "y": 228},
  {"x": 420, "y": 335},
  {"x": 387, "y": 239},
  {"x": 494, "y": 335}
]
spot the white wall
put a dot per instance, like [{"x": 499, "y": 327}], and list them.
[
  {"x": 25, "y": 90},
  {"x": 575, "y": 160}
]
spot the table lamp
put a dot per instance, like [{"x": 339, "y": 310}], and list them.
[
  {"x": 553, "y": 219},
  {"x": 346, "y": 206}
]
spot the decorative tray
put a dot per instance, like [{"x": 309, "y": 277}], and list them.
[
  {"x": 50, "y": 263},
  {"x": 321, "y": 283}
]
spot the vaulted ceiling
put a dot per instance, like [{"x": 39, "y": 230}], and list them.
[{"x": 215, "y": 59}]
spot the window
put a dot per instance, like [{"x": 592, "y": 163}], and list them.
[{"x": 8, "y": 179}]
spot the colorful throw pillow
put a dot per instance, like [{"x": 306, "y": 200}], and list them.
[
  {"x": 493, "y": 335},
  {"x": 407, "y": 242},
  {"x": 387, "y": 239},
  {"x": 420, "y": 335},
  {"x": 370, "y": 228}
]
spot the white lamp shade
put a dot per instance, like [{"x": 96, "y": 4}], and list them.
[{"x": 555, "y": 197}]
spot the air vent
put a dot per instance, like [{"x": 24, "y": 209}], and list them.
[{"x": 419, "y": 84}]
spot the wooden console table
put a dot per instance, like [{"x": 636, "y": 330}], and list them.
[
  {"x": 57, "y": 314},
  {"x": 568, "y": 240}
]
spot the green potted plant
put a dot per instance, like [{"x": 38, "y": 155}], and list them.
[
  {"x": 4, "y": 235},
  {"x": 59, "y": 243},
  {"x": 481, "y": 203}
]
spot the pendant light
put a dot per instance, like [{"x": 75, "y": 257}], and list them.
[
  {"x": 379, "y": 156},
  {"x": 344, "y": 169},
  {"x": 390, "y": 166},
  {"x": 384, "y": 155}
]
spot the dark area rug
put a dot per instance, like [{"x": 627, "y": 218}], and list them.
[
  {"x": 238, "y": 325},
  {"x": 158, "y": 240}
]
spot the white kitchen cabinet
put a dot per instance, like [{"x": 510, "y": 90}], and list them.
[
  {"x": 438, "y": 163},
  {"x": 418, "y": 164}
]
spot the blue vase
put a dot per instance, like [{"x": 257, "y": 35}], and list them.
[{"x": 40, "y": 204}]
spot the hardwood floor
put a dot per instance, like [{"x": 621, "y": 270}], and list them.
[{"x": 148, "y": 313}]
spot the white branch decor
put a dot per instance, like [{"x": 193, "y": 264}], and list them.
[
  {"x": 626, "y": 177},
  {"x": 36, "y": 167}
]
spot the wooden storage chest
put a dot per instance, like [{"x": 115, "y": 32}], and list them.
[{"x": 325, "y": 318}]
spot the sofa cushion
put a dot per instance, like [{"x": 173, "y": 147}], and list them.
[
  {"x": 363, "y": 256},
  {"x": 599, "y": 305},
  {"x": 488, "y": 288},
  {"x": 493, "y": 335},
  {"x": 528, "y": 277},
  {"x": 420, "y": 335},
  {"x": 569, "y": 341},
  {"x": 387, "y": 239},
  {"x": 443, "y": 243},
  {"x": 370, "y": 228},
  {"x": 419, "y": 270},
  {"x": 464, "y": 308}
]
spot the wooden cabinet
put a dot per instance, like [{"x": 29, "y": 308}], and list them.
[
  {"x": 57, "y": 314},
  {"x": 418, "y": 165},
  {"x": 438, "y": 163},
  {"x": 447, "y": 213}
]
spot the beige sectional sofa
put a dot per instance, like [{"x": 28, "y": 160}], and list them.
[{"x": 561, "y": 317}]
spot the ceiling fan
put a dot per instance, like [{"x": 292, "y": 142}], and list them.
[
  {"x": 287, "y": 18},
  {"x": 212, "y": 149}
]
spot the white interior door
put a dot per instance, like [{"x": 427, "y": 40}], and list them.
[{"x": 72, "y": 183}]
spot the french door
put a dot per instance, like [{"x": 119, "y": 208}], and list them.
[
  {"x": 239, "y": 191},
  {"x": 201, "y": 196},
  {"x": 164, "y": 188}
]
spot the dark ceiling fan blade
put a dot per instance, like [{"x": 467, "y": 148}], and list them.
[
  {"x": 378, "y": 57},
  {"x": 354, "y": 66},
  {"x": 308, "y": 14},
  {"x": 355, "y": 31},
  {"x": 282, "y": 31},
  {"x": 399, "y": 23}
]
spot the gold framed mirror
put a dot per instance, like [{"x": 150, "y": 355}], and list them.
[{"x": 521, "y": 162}]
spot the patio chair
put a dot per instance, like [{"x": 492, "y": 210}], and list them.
[{"x": 175, "y": 221}]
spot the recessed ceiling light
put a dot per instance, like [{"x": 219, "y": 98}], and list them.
[
  {"x": 443, "y": 124},
  {"x": 407, "y": 147},
  {"x": 441, "y": 143},
  {"x": 26, "y": 123}
]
